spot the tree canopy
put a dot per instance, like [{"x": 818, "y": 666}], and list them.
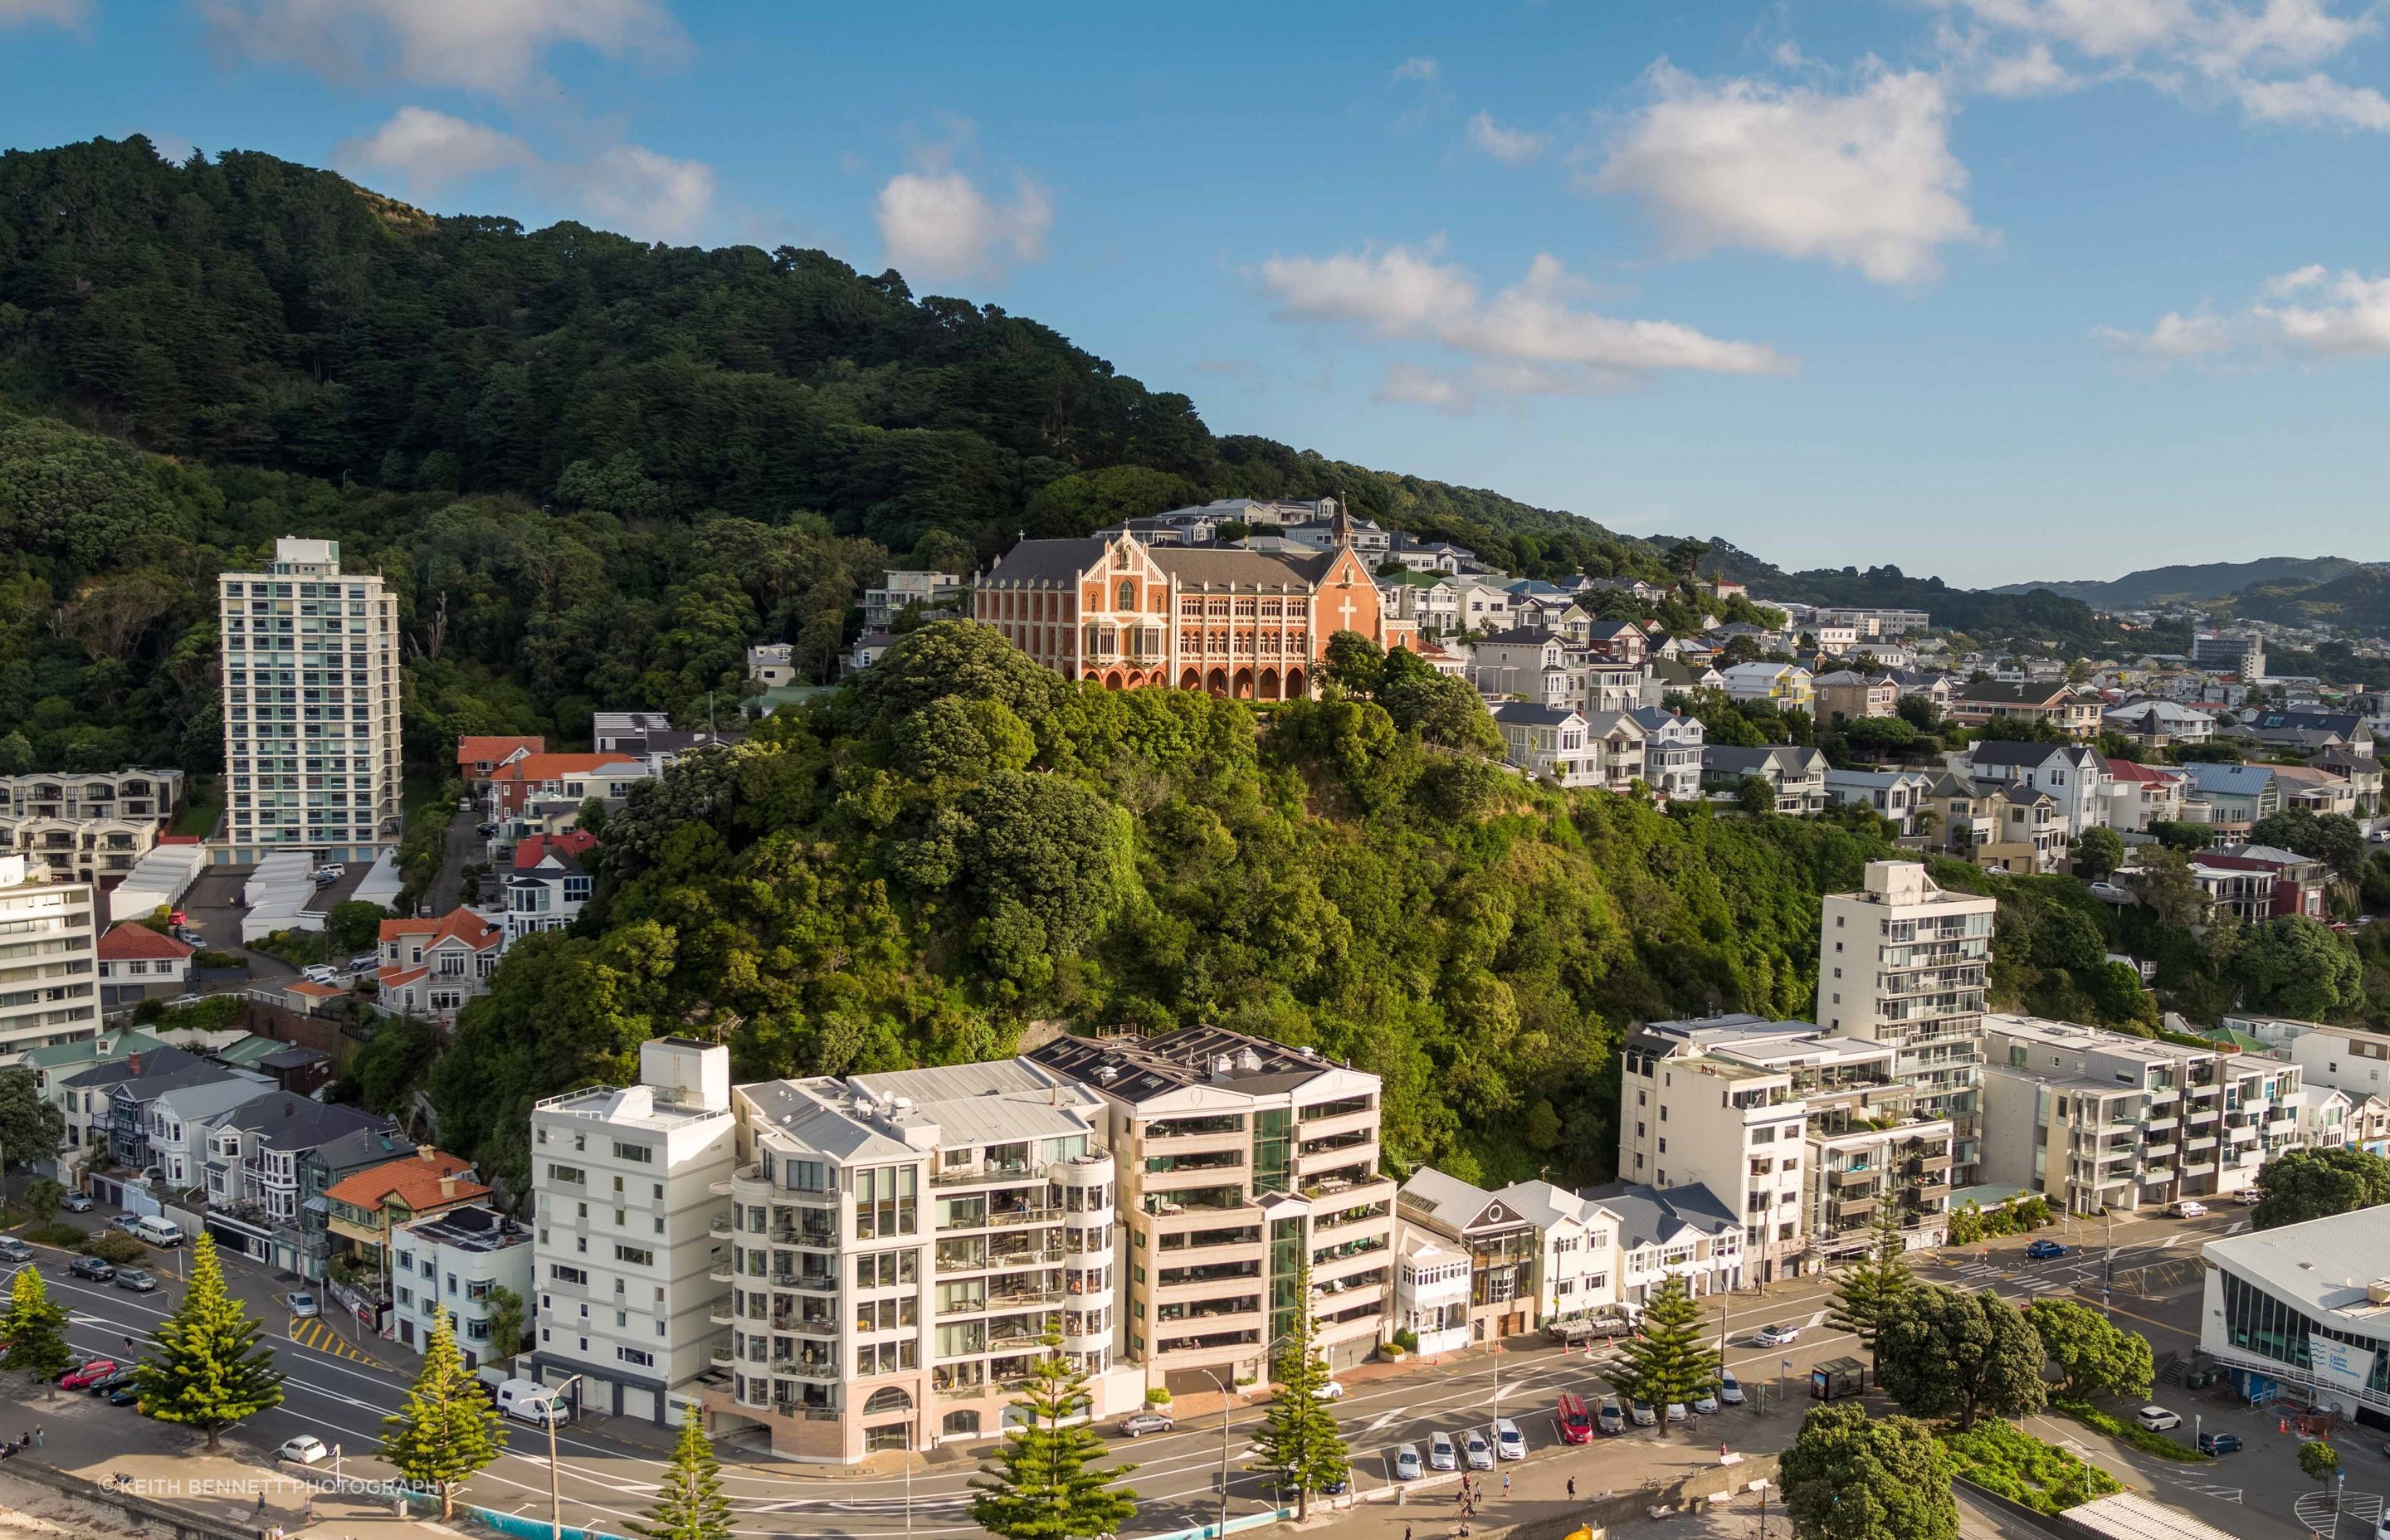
[{"x": 1944, "y": 1354}]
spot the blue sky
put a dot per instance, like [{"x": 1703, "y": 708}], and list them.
[{"x": 1993, "y": 289}]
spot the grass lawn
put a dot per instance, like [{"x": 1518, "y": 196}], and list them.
[{"x": 203, "y": 803}]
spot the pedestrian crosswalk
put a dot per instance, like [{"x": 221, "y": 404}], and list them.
[{"x": 315, "y": 1332}]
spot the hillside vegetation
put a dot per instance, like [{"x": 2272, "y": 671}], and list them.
[{"x": 2190, "y": 581}]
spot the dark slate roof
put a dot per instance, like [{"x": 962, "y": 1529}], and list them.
[
  {"x": 1227, "y": 564},
  {"x": 1521, "y": 635},
  {"x": 1527, "y": 715},
  {"x": 1994, "y": 751},
  {"x": 294, "y": 1121},
  {"x": 1734, "y": 758},
  {"x": 153, "y": 1062},
  {"x": 1046, "y": 561},
  {"x": 1649, "y": 1215},
  {"x": 1992, "y": 693},
  {"x": 2345, "y": 725}
]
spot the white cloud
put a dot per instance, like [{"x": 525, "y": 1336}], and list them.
[
  {"x": 427, "y": 149},
  {"x": 72, "y": 13},
  {"x": 1527, "y": 339},
  {"x": 621, "y": 186},
  {"x": 939, "y": 224},
  {"x": 2202, "y": 49},
  {"x": 2342, "y": 315},
  {"x": 1864, "y": 179},
  {"x": 2033, "y": 72},
  {"x": 492, "y": 46},
  {"x": 2318, "y": 101},
  {"x": 640, "y": 191},
  {"x": 1423, "y": 70},
  {"x": 1514, "y": 146}
]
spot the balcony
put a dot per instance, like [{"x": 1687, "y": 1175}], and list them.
[
  {"x": 1844, "y": 1208},
  {"x": 719, "y": 1311},
  {"x": 1009, "y": 1172},
  {"x": 721, "y": 1358},
  {"x": 719, "y": 1271},
  {"x": 1856, "y": 1177},
  {"x": 1928, "y": 1165},
  {"x": 718, "y": 1226}
]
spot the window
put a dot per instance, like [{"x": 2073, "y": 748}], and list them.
[
  {"x": 563, "y": 1274},
  {"x": 640, "y": 1154},
  {"x": 637, "y": 1255},
  {"x": 573, "y": 1175},
  {"x": 638, "y": 1358},
  {"x": 884, "y": 1202}
]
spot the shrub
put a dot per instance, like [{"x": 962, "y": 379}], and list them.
[
  {"x": 2002, "y": 1457},
  {"x": 219, "y": 960},
  {"x": 65, "y": 1236},
  {"x": 1158, "y": 1396},
  {"x": 1406, "y": 1339},
  {"x": 115, "y": 1246},
  {"x": 2129, "y": 1432}
]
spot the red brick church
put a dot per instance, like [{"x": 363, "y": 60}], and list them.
[{"x": 1250, "y": 624}]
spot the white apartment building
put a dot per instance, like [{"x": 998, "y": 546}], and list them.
[
  {"x": 447, "y": 1265},
  {"x": 1241, "y": 1161},
  {"x": 902, "y": 1245},
  {"x": 311, "y": 683},
  {"x": 632, "y": 1188},
  {"x": 144, "y": 796},
  {"x": 1681, "y": 1232},
  {"x": 50, "y": 965},
  {"x": 1809, "y": 1138},
  {"x": 2097, "y": 1120},
  {"x": 1902, "y": 963},
  {"x": 2347, "y": 1059}
]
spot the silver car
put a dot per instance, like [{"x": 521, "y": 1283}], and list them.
[
  {"x": 1441, "y": 1456},
  {"x": 1479, "y": 1453}
]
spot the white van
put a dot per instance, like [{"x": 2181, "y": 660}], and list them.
[
  {"x": 157, "y": 1231},
  {"x": 528, "y": 1400}
]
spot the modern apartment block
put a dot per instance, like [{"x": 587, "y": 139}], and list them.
[
  {"x": 1905, "y": 964},
  {"x": 311, "y": 708},
  {"x": 1241, "y": 1162},
  {"x": 632, "y": 1188},
  {"x": 1807, "y": 1136},
  {"x": 2096, "y": 1120},
  {"x": 49, "y": 960},
  {"x": 902, "y": 1245}
]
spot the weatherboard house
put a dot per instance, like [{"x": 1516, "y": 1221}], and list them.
[{"x": 1121, "y": 614}]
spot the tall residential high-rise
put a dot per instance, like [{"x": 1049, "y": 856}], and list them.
[
  {"x": 49, "y": 970},
  {"x": 1901, "y": 962},
  {"x": 311, "y": 683}
]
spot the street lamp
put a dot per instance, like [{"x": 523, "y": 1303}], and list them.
[
  {"x": 555, "y": 1485},
  {"x": 1223, "y": 1389}
]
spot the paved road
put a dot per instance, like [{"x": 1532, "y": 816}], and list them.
[{"x": 463, "y": 845}]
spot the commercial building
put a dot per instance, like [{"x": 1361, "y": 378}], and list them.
[
  {"x": 2096, "y": 1119},
  {"x": 2238, "y": 652},
  {"x": 632, "y": 1191},
  {"x": 901, "y": 1247},
  {"x": 1240, "y": 1161},
  {"x": 1905, "y": 964},
  {"x": 311, "y": 683},
  {"x": 451, "y": 1264},
  {"x": 2303, "y": 1312},
  {"x": 49, "y": 974}
]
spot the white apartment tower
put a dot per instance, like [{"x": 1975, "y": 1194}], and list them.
[
  {"x": 311, "y": 708},
  {"x": 1903, "y": 963},
  {"x": 632, "y": 1255},
  {"x": 903, "y": 1245},
  {"x": 50, "y": 963}
]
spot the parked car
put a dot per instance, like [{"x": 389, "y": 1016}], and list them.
[
  {"x": 81, "y": 1378},
  {"x": 2249, "y": 1197},
  {"x": 14, "y": 1250},
  {"x": 1782, "y": 1334},
  {"x": 2041, "y": 1251},
  {"x": 1705, "y": 1402},
  {"x": 1138, "y": 1424},
  {"x": 127, "y": 1395},
  {"x": 1506, "y": 1440},
  {"x": 320, "y": 973},
  {"x": 1441, "y": 1454},
  {"x": 2219, "y": 1444},
  {"x": 128, "y": 1222},
  {"x": 1642, "y": 1414},
  {"x": 302, "y": 1305},
  {"x": 2111, "y": 892},
  {"x": 306, "y": 1449},
  {"x": 138, "y": 1280},
  {"x": 115, "y": 1380},
  {"x": 1610, "y": 1420},
  {"x": 1729, "y": 1391},
  {"x": 2157, "y": 1419},
  {"x": 2187, "y": 1208},
  {"x": 487, "y": 831},
  {"x": 1407, "y": 1463},
  {"x": 1329, "y": 1390},
  {"x": 92, "y": 1268},
  {"x": 365, "y": 962},
  {"x": 1673, "y": 1412},
  {"x": 77, "y": 1202},
  {"x": 1477, "y": 1451}
]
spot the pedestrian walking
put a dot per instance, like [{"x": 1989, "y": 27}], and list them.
[
  {"x": 1406, "y": 1532},
  {"x": 261, "y": 1499},
  {"x": 1721, "y": 1448},
  {"x": 37, "y": 1435},
  {"x": 128, "y": 1344},
  {"x": 1506, "y": 1483},
  {"x": 1571, "y": 1496}
]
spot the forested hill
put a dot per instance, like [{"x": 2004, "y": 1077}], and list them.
[
  {"x": 2193, "y": 581},
  {"x": 246, "y": 310}
]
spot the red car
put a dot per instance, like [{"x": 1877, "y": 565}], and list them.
[{"x": 81, "y": 1378}]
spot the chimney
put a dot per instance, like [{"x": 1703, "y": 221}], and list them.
[
  {"x": 447, "y": 1186},
  {"x": 427, "y": 1153}
]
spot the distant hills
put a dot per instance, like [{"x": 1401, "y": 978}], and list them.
[{"x": 2192, "y": 583}]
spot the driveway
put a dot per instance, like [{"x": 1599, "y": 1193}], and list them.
[{"x": 463, "y": 845}]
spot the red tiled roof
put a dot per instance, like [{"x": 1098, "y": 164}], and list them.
[
  {"x": 489, "y": 750},
  {"x": 548, "y": 767},
  {"x": 395, "y": 978},
  {"x": 130, "y": 941},
  {"x": 532, "y": 851},
  {"x": 182, "y": 838},
  {"x": 414, "y": 1180},
  {"x": 311, "y": 989},
  {"x": 460, "y": 924},
  {"x": 2132, "y": 770}
]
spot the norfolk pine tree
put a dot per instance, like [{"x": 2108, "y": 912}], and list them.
[
  {"x": 689, "y": 1503},
  {"x": 1297, "y": 1445},
  {"x": 34, "y": 1329},
  {"x": 1039, "y": 1486},
  {"x": 447, "y": 1430},
  {"x": 1669, "y": 1361},
  {"x": 1873, "y": 1281},
  {"x": 208, "y": 1369}
]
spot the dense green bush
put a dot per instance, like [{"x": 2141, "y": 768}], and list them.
[
  {"x": 2002, "y": 1457},
  {"x": 2144, "y": 1439}
]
